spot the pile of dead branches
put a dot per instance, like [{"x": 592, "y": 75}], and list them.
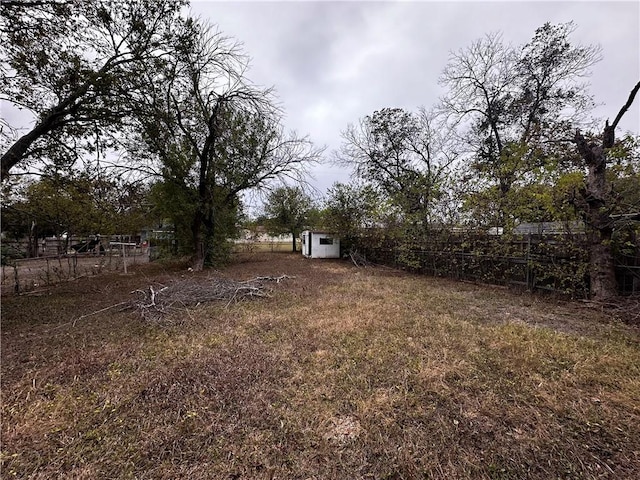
[
  {"x": 156, "y": 302},
  {"x": 358, "y": 259}
]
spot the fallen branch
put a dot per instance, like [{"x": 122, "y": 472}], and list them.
[
  {"x": 358, "y": 259},
  {"x": 99, "y": 311},
  {"x": 271, "y": 279},
  {"x": 156, "y": 304}
]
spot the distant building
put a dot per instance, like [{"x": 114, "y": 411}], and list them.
[
  {"x": 259, "y": 234},
  {"x": 548, "y": 228}
]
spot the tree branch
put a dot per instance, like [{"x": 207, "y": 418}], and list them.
[
  {"x": 609, "y": 133},
  {"x": 626, "y": 106}
]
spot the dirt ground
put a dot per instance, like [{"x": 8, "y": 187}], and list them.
[{"x": 31, "y": 273}]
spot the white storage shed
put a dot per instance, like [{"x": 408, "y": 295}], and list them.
[{"x": 320, "y": 244}]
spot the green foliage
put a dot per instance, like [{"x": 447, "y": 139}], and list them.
[
  {"x": 623, "y": 174},
  {"x": 174, "y": 204},
  {"x": 287, "y": 211},
  {"x": 350, "y": 208},
  {"x": 556, "y": 263},
  {"x": 80, "y": 204},
  {"x": 9, "y": 255},
  {"x": 354, "y": 210},
  {"x": 547, "y": 193},
  {"x": 316, "y": 218},
  {"x": 399, "y": 154},
  {"x": 80, "y": 68}
]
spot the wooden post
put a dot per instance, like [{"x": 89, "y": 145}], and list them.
[
  {"x": 528, "y": 278},
  {"x": 17, "y": 280}
]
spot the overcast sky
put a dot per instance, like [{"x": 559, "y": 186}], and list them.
[
  {"x": 335, "y": 62},
  {"x": 332, "y": 63}
]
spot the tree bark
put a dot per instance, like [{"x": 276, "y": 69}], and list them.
[
  {"x": 596, "y": 211},
  {"x": 198, "y": 241},
  {"x": 602, "y": 266},
  {"x": 19, "y": 149},
  {"x": 293, "y": 242},
  {"x": 596, "y": 204},
  {"x": 204, "y": 221}
]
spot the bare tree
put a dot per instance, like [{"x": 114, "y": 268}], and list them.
[{"x": 401, "y": 153}]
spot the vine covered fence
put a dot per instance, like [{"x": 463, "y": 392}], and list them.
[{"x": 552, "y": 262}]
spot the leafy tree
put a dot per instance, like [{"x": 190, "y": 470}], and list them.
[
  {"x": 216, "y": 136},
  {"x": 80, "y": 204},
  {"x": 57, "y": 205},
  {"x": 77, "y": 67},
  {"x": 287, "y": 211},
  {"x": 351, "y": 209},
  {"x": 513, "y": 104},
  {"x": 401, "y": 154}
]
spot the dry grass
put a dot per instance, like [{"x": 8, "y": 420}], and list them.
[
  {"x": 342, "y": 373},
  {"x": 264, "y": 247}
]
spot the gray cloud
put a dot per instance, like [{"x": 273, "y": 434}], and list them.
[{"x": 334, "y": 62}]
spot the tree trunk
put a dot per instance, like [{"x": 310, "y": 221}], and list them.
[
  {"x": 293, "y": 242},
  {"x": 596, "y": 207},
  {"x": 203, "y": 232},
  {"x": 203, "y": 224},
  {"x": 597, "y": 203},
  {"x": 209, "y": 242},
  {"x": 32, "y": 245},
  {"x": 602, "y": 266},
  {"x": 198, "y": 241}
]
